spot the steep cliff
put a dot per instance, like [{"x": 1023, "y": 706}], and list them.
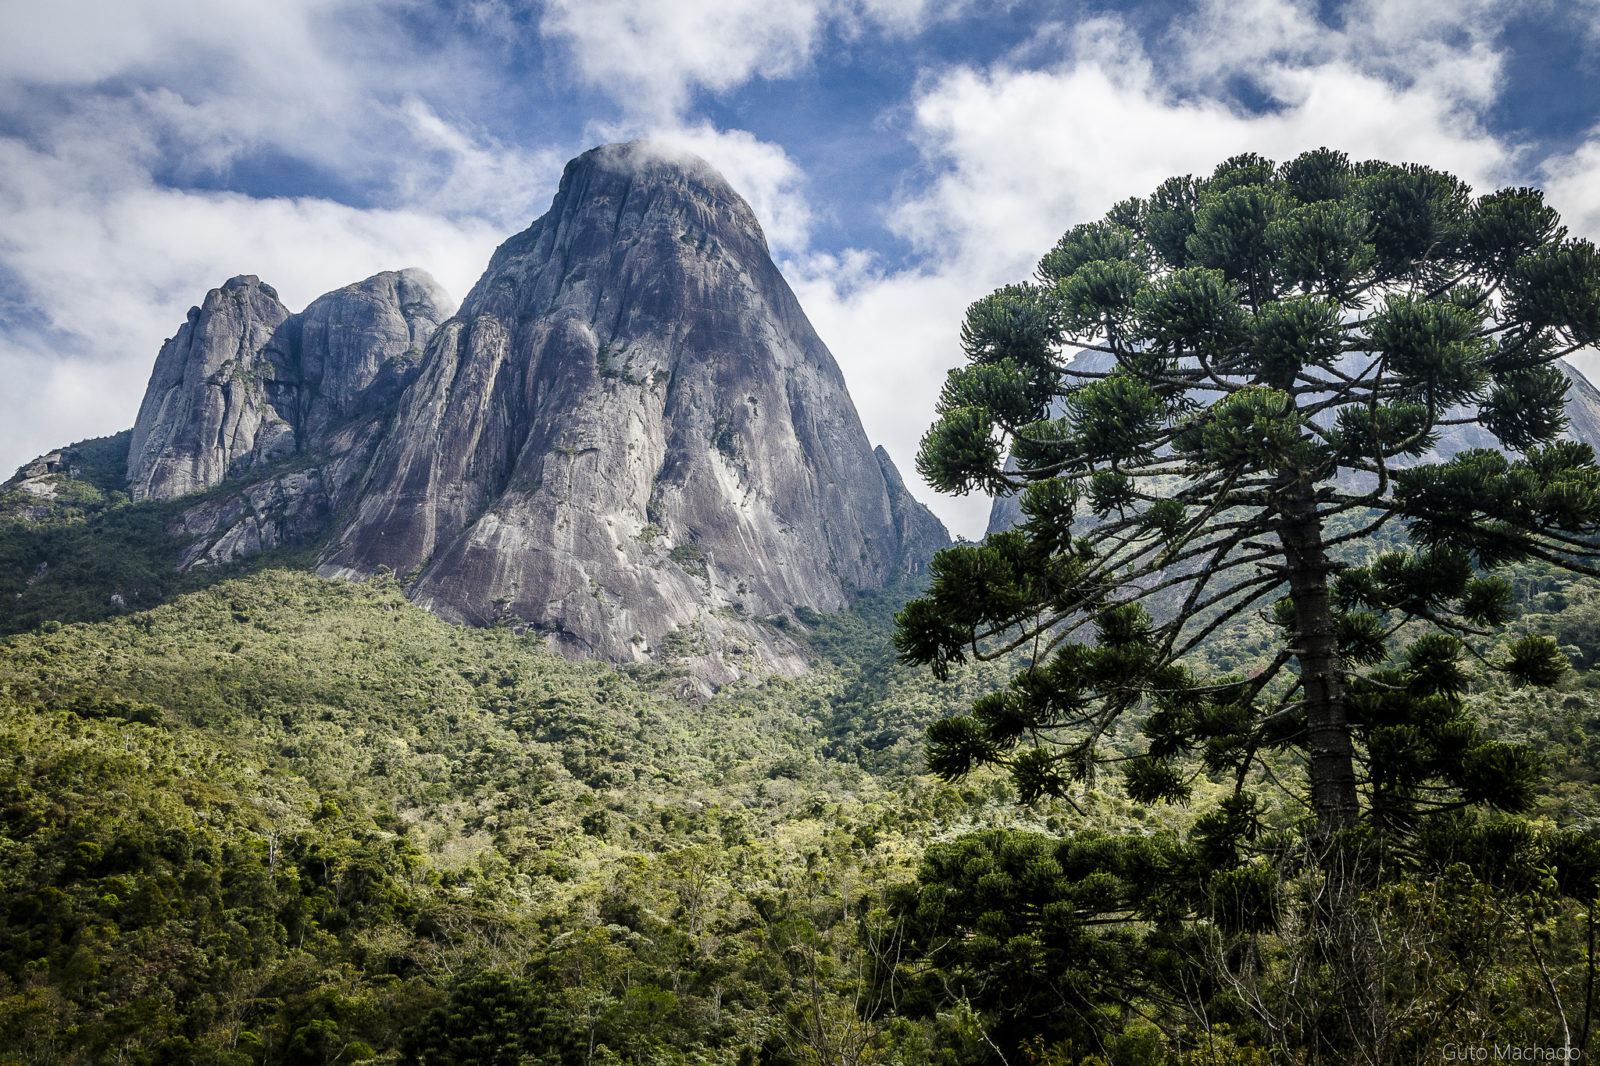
[
  {"x": 631, "y": 437},
  {"x": 209, "y": 409},
  {"x": 244, "y": 383}
]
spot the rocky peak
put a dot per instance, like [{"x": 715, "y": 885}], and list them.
[
  {"x": 245, "y": 383},
  {"x": 631, "y": 437},
  {"x": 204, "y": 411},
  {"x": 920, "y": 533},
  {"x": 360, "y": 345}
]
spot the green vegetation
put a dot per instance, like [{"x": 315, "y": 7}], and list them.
[
  {"x": 690, "y": 558},
  {"x": 1281, "y": 347},
  {"x": 259, "y": 817},
  {"x": 285, "y": 819},
  {"x": 88, "y": 552}
]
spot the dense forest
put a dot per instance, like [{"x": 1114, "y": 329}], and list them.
[
  {"x": 276, "y": 818},
  {"x": 1267, "y": 733}
]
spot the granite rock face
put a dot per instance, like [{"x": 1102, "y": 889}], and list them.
[
  {"x": 244, "y": 383},
  {"x": 208, "y": 409},
  {"x": 631, "y": 437},
  {"x": 292, "y": 507},
  {"x": 38, "y": 477},
  {"x": 920, "y": 533},
  {"x": 360, "y": 346}
]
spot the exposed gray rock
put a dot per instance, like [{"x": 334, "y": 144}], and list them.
[
  {"x": 359, "y": 346},
  {"x": 39, "y": 483},
  {"x": 631, "y": 437},
  {"x": 286, "y": 509},
  {"x": 1583, "y": 406},
  {"x": 244, "y": 383},
  {"x": 61, "y": 461},
  {"x": 207, "y": 411},
  {"x": 920, "y": 533}
]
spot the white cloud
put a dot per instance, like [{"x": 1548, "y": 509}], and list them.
[
  {"x": 1570, "y": 187},
  {"x": 107, "y": 106},
  {"x": 1022, "y": 152},
  {"x": 106, "y": 263},
  {"x": 458, "y": 173},
  {"x": 652, "y": 54},
  {"x": 758, "y": 170},
  {"x": 84, "y": 42},
  {"x": 102, "y": 98}
]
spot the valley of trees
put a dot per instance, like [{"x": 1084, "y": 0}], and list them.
[{"x": 1262, "y": 739}]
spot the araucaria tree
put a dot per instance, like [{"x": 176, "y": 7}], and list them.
[{"x": 1216, "y": 397}]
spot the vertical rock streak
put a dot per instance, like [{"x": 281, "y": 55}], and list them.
[
  {"x": 629, "y": 435},
  {"x": 653, "y": 444}
]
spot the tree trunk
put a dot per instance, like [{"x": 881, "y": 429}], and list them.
[
  {"x": 1332, "y": 758},
  {"x": 1350, "y": 950}
]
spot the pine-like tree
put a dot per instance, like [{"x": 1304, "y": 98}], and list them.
[
  {"x": 1273, "y": 353},
  {"x": 1285, "y": 344}
]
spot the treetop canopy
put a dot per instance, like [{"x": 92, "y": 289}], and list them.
[{"x": 1273, "y": 353}]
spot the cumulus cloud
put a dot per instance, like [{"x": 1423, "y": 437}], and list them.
[
  {"x": 84, "y": 42},
  {"x": 118, "y": 117},
  {"x": 760, "y": 171},
  {"x": 653, "y": 54},
  {"x": 98, "y": 272},
  {"x": 1023, "y": 149},
  {"x": 462, "y": 173}
]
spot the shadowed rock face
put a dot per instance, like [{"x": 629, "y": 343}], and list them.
[
  {"x": 244, "y": 383},
  {"x": 921, "y": 534},
  {"x": 631, "y": 437},
  {"x": 206, "y": 410},
  {"x": 359, "y": 346}
]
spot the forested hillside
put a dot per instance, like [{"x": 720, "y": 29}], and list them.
[
  {"x": 295, "y": 820},
  {"x": 285, "y": 819},
  {"x": 1259, "y": 737}
]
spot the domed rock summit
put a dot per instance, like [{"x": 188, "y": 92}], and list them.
[
  {"x": 628, "y": 437},
  {"x": 631, "y": 437}
]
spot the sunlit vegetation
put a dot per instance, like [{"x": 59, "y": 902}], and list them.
[{"x": 293, "y": 820}]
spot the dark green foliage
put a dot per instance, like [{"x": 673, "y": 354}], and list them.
[
  {"x": 283, "y": 819},
  {"x": 1015, "y": 923},
  {"x": 1286, "y": 345},
  {"x": 493, "y": 1019},
  {"x": 89, "y": 553},
  {"x": 1226, "y": 355}
]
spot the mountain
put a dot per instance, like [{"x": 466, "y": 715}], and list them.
[
  {"x": 1583, "y": 414},
  {"x": 245, "y": 383},
  {"x": 629, "y": 437}
]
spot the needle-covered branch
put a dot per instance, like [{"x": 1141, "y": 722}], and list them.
[{"x": 1214, "y": 399}]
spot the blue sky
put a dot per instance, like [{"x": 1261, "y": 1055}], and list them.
[{"x": 905, "y": 156}]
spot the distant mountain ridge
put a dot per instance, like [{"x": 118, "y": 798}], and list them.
[
  {"x": 628, "y": 437},
  {"x": 1583, "y": 414}
]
